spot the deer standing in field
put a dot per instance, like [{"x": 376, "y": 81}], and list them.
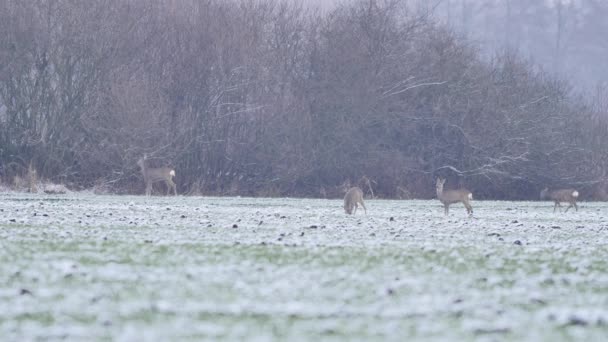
[
  {"x": 157, "y": 174},
  {"x": 448, "y": 197},
  {"x": 561, "y": 195},
  {"x": 353, "y": 197}
]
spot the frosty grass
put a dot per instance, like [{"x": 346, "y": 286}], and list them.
[{"x": 131, "y": 268}]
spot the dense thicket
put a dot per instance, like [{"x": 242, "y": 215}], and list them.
[{"x": 264, "y": 98}]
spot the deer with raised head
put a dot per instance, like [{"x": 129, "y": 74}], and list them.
[
  {"x": 560, "y": 195},
  {"x": 353, "y": 197},
  {"x": 448, "y": 197},
  {"x": 157, "y": 174}
]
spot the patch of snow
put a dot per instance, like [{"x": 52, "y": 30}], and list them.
[{"x": 130, "y": 267}]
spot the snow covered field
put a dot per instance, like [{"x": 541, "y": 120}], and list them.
[{"x": 163, "y": 268}]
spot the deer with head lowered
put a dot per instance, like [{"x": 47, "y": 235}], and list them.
[
  {"x": 561, "y": 195},
  {"x": 448, "y": 197},
  {"x": 157, "y": 174},
  {"x": 353, "y": 197}
]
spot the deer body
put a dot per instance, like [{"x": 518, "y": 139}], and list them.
[
  {"x": 353, "y": 197},
  {"x": 448, "y": 197},
  {"x": 157, "y": 174},
  {"x": 561, "y": 195}
]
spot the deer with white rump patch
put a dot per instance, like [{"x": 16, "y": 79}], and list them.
[
  {"x": 353, "y": 197},
  {"x": 561, "y": 195},
  {"x": 157, "y": 174},
  {"x": 448, "y": 197}
]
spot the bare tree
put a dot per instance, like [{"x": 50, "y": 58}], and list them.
[{"x": 273, "y": 98}]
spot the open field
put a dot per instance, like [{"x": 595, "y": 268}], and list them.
[{"x": 163, "y": 268}]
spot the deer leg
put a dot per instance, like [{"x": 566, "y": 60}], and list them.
[
  {"x": 469, "y": 208},
  {"x": 572, "y": 204},
  {"x": 446, "y": 209},
  {"x": 356, "y": 206},
  {"x": 171, "y": 186},
  {"x": 364, "y": 208},
  {"x": 148, "y": 188}
]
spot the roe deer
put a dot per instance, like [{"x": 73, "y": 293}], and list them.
[
  {"x": 157, "y": 174},
  {"x": 353, "y": 197},
  {"x": 561, "y": 195},
  {"x": 448, "y": 197}
]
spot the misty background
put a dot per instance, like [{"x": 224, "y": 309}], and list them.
[
  {"x": 566, "y": 37},
  {"x": 277, "y": 98}
]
